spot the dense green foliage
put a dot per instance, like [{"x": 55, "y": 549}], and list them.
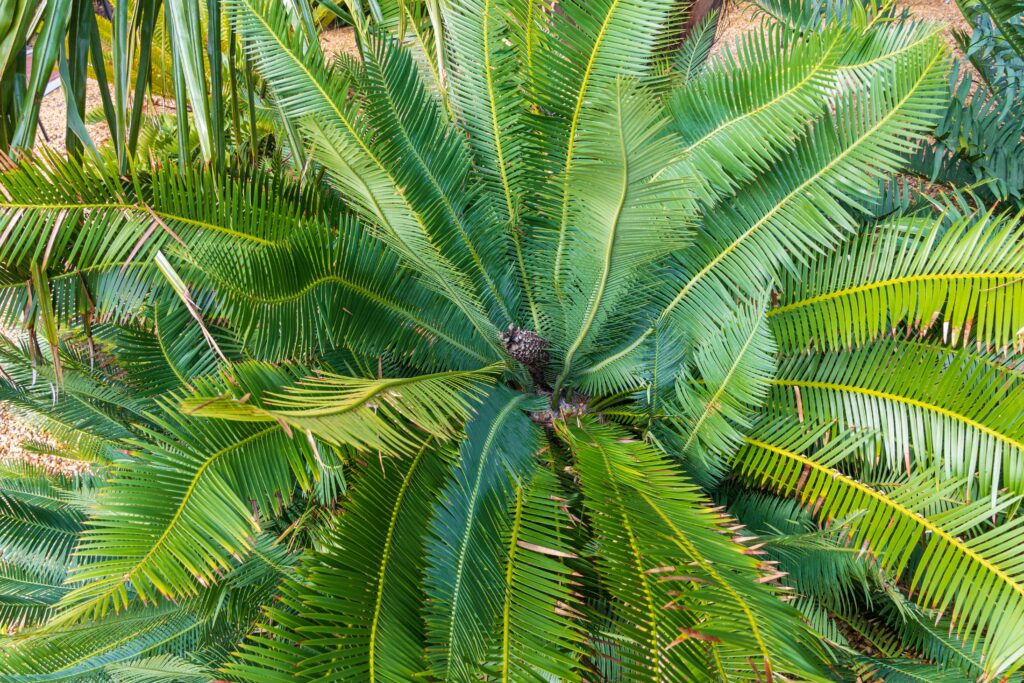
[{"x": 532, "y": 345}]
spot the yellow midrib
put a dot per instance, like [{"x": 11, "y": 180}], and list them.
[
  {"x": 378, "y": 598},
  {"x": 896, "y": 398},
  {"x": 709, "y": 408},
  {"x": 141, "y": 208},
  {"x": 926, "y": 524},
  {"x": 506, "y": 629},
  {"x": 764, "y": 219},
  {"x": 891, "y": 282},
  {"x": 573, "y": 126}
]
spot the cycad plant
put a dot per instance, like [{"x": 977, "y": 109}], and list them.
[{"x": 550, "y": 352}]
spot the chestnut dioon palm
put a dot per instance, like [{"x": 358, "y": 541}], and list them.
[{"x": 530, "y": 346}]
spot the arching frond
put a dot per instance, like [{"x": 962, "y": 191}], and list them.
[
  {"x": 621, "y": 219},
  {"x": 714, "y": 404},
  {"x": 686, "y": 599},
  {"x": 172, "y": 519},
  {"x": 965, "y": 567},
  {"x": 382, "y": 177},
  {"x": 379, "y": 545},
  {"x": 932, "y": 407},
  {"x": 369, "y": 414},
  {"x": 966, "y": 278},
  {"x": 798, "y": 210},
  {"x": 93, "y": 651},
  {"x": 587, "y": 47},
  {"x": 465, "y": 550},
  {"x": 539, "y": 634}
]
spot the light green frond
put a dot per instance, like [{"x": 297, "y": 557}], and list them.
[
  {"x": 83, "y": 653},
  {"x": 540, "y": 634},
  {"x": 587, "y": 47},
  {"x": 370, "y": 414},
  {"x": 621, "y": 219},
  {"x": 932, "y": 408},
  {"x": 966, "y": 279},
  {"x": 172, "y": 519},
  {"x": 381, "y": 176},
  {"x": 714, "y": 404}
]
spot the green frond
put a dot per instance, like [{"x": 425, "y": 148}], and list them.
[
  {"x": 953, "y": 560},
  {"x": 389, "y": 415},
  {"x": 932, "y": 408},
  {"x": 378, "y": 545},
  {"x": 90, "y": 653},
  {"x": 800, "y": 209},
  {"x": 85, "y": 412},
  {"x": 742, "y": 115},
  {"x": 691, "y": 59},
  {"x": 586, "y": 47},
  {"x": 622, "y": 219},
  {"x": 966, "y": 278},
  {"x": 1004, "y": 14},
  {"x": 465, "y": 553},
  {"x": 539, "y": 635},
  {"x": 486, "y": 93},
  {"x": 95, "y": 234},
  {"x": 326, "y": 286},
  {"x": 714, "y": 404},
  {"x": 686, "y": 599},
  {"x": 27, "y": 595},
  {"x": 381, "y": 176},
  {"x": 172, "y": 519},
  {"x": 159, "y": 669}
]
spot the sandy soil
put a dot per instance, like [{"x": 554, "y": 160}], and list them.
[{"x": 742, "y": 17}]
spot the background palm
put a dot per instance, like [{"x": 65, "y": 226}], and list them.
[{"x": 516, "y": 324}]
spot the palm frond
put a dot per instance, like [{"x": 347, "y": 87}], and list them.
[
  {"x": 800, "y": 209},
  {"x": 686, "y": 599},
  {"x": 378, "y": 544},
  {"x": 964, "y": 277},
  {"x": 172, "y": 519},
  {"x": 932, "y": 407},
  {"x": 621, "y": 219},
  {"x": 714, "y": 404},
  {"x": 464, "y": 549},
  {"x": 390, "y": 191},
  {"x": 964, "y": 566},
  {"x": 371, "y": 414}
]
